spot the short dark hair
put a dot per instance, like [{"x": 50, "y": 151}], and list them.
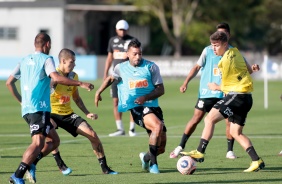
[
  {"x": 223, "y": 25},
  {"x": 66, "y": 53},
  {"x": 134, "y": 43},
  {"x": 41, "y": 39},
  {"x": 219, "y": 36}
]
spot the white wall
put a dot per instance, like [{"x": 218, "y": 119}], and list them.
[{"x": 29, "y": 22}]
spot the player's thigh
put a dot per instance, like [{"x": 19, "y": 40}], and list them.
[
  {"x": 152, "y": 122},
  {"x": 53, "y": 136},
  {"x": 86, "y": 130},
  {"x": 214, "y": 116}
]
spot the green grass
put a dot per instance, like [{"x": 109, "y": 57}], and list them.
[{"x": 263, "y": 127}]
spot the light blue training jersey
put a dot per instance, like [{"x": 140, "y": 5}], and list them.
[
  {"x": 35, "y": 83},
  {"x": 209, "y": 73},
  {"x": 135, "y": 82}
]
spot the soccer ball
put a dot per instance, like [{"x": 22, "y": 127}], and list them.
[{"x": 186, "y": 165}]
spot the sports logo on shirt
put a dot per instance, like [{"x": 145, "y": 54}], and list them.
[{"x": 138, "y": 84}]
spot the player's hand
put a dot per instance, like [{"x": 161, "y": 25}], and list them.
[
  {"x": 97, "y": 99},
  {"x": 87, "y": 86},
  {"x": 92, "y": 116},
  {"x": 140, "y": 100},
  {"x": 183, "y": 88},
  {"x": 255, "y": 67}
]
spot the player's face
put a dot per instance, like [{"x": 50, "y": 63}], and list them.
[
  {"x": 218, "y": 47},
  {"x": 134, "y": 55},
  {"x": 121, "y": 32},
  {"x": 69, "y": 64}
]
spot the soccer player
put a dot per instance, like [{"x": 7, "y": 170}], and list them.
[
  {"x": 117, "y": 54},
  {"x": 35, "y": 71},
  {"x": 237, "y": 85},
  {"x": 63, "y": 116},
  {"x": 139, "y": 87},
  {"x": 207, "y": 63}
]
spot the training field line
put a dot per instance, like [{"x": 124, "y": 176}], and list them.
[{"x": 139, "y": 134}]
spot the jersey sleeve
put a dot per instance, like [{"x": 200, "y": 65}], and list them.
[
  {"x": 49, "y": 66},
  {"x": 156, "y": 75},
  {"x": 202, "y": 60},
  {"x": 17, "y": 72},
  {"x": 110, "y": 48}
]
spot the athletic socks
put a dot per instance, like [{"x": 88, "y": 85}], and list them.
[
  {"x": 103, "y": 164},
  {"x": 230, "y": 143},
  {"x": 39, "y": 157},
  {"x": 59, "y": 160},
  {"x": 183, "y": 141},
  {"x": 252, "y": 153},
  {"x": 153, "y": 154},
  {"x": 203, "y": 145},
  {"x": 23, "y": 167},
  {"x": 119, "y": 125}
]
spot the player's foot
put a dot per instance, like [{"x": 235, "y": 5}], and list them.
[
  {"x": 145, "y": 165},
  {"x": 65, "y": 170},
  {"x": 255, "y": 166},
  {"x": 30, "y": 174},
  {"x": 280, "y": 154},
  {"x": 132, "y": 133},
  {"x": 14, "y": 180},
  {"x": 117, "y": 133},
  {"x": 175, "y": 152},
  {"x": 230, "y": 155},
  {"x": 154, "y": 169},
  {"x": 110, "y": 171},
  {"x": 195, "y": 154}
]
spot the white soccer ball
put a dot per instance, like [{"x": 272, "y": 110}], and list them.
[{"x": 186, "y": 165}]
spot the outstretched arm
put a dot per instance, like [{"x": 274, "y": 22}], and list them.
[
  {"x": 79, "y": 102},
  {"x": 66, "y": 81},
  {"x": 193, "y": 72},
  {"x": 10, "y": 83},
  {"x": 106, "y": 83}
]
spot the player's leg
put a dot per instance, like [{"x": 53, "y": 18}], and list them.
[
  {"x": 211, "y": 119},
  {"x": 230, "y": 141},
  {"x": 131, "y": 131},
  {"x": 56, "y": 153},
  {"x": 244, "y": 141},
  {"x": 189, "y": 129},
  {"x": 86, "y": 130},
  {"x": 117, "y": 115},
  {"x": 155, "y": 125}
]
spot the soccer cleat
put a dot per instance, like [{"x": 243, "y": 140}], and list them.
[
  {"x": 280, "y": 154},
  {"x": 230, "y": 155},
  {"x": 195, "y": 154},
  {"x": 110, "y": 171},
  {"x": 117, "y": 133},
  {"x": 132, "y": 133},
  {"x": 66, "y": 171},
  {"x": 256, "y": 166},
  {"x": 30, "y": 174},
  {"x": 145, "y": 165},
  {"x": 175, "y": 152},
  {"x": 14, "y": 180},
  {"x": 154, "y": 169}
]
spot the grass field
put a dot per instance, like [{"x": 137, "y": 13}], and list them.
[{"x": 263, "y": 127}]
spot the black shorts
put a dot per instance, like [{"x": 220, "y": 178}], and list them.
[
  {"x": 114, "y": 89},
  {"x": 69, "y": 122},
  {"x": 139, "y": 112},
  {"x": 235, "y": 107},
  {"x": 39, "y": 122},
  {"x": 206, "y": 104}
]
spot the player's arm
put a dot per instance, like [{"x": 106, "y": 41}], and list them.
[
  {"x": 156, "y": 93},
  {"x": 10, "y": 83},
  {"x": 106, "y": 83},
  {"x": 193, "y": 72},
  {"x": 58, "y": 79},
  {"x": 214, "y": 87},
  {"x": 80, "y": 104},
  {"x": 108, "y": 64},
  {"x": 253, "y": 68}
]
